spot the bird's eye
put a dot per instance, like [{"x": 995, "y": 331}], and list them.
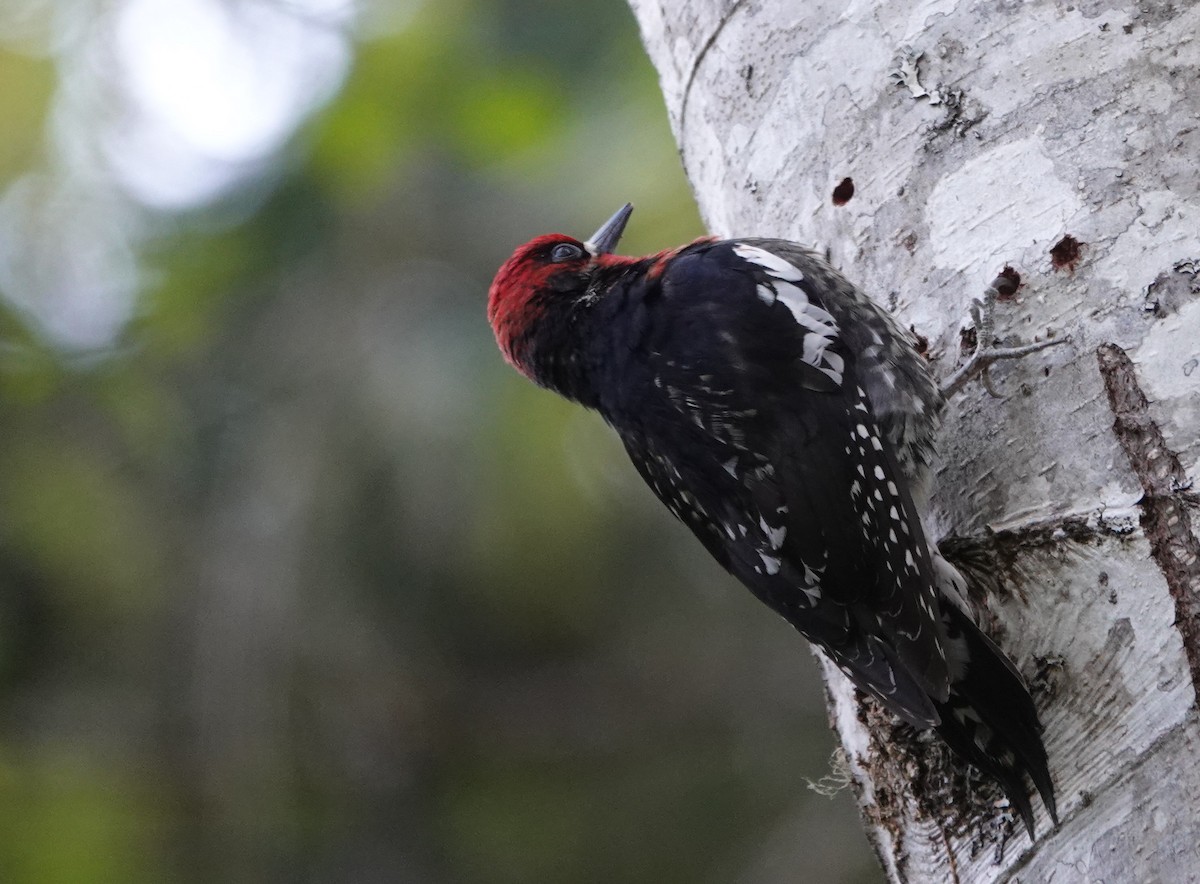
[{"x": 566, "y": 251}]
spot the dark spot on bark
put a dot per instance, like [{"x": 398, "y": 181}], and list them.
[
  {"x": 1006, "y": 284},
  {"x": 1050, "y": 673},
  {"x": 909, "y": 242},
  {"x": 1066, "y": 253},
  {"x": 843, "y": 192},
  {"x": 1112, "y": 590},
  {"x": 1172, "y": 289},
  {"x": 1128, "y": 29},
  {"x": 921, "y": 343},
  {"x": 1121, "y": 635},
  {"x": 966, "y": 340}
]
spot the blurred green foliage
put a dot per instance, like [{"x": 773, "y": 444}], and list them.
[
  {"x": 22, "y": 109},
  {"x": 301, "y": 582},
  {"x": 66, "y": 819}
]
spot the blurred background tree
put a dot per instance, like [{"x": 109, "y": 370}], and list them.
[{"x": 299, "y": 581}]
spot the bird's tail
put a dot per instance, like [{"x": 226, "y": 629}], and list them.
[{"x": 990, "y": 719}]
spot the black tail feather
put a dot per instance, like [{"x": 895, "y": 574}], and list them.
[{"x": 991, "y": 721}]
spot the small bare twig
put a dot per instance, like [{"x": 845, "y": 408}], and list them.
[{"x": 986, "y": 353}]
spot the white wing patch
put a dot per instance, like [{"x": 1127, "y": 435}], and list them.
[
  {"x": 820, "y": 328},
  {"x": 771, "y": 563},
  {"x": 773, "y": 264},
  {"x": 775, "y": 536}
]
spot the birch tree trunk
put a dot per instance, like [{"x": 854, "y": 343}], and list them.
[{"x": 927, "y": 144}]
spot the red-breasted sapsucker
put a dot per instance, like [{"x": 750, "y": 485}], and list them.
[{"x": 789, "y": 422}]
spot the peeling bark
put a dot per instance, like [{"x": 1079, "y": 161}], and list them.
[{"x": 1059, "y": 142}]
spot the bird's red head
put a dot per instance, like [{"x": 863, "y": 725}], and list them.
[{"x": 540, "y": 273}]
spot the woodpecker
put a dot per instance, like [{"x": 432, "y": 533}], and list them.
[{"x": 789, "y": 422}]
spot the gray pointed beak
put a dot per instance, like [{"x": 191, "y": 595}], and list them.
[{"x": 604, "y": 241}]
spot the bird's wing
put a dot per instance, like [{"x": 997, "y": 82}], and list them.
[
  {"x": 904, "y": 396},
  {"x": 754, "y": 431}
]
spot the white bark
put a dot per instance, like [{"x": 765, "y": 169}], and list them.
[{"x": 1019, "y": 124}]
